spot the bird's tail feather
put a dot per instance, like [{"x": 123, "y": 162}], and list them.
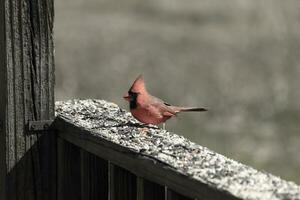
[
  {"x": 190, "y": 109},
  {"x": 193, "y": 109}
]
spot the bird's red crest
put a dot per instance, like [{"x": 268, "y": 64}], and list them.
[{"x": 138, "y": 85}]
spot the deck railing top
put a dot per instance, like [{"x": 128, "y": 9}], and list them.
[{"x": 105, "y": 121}]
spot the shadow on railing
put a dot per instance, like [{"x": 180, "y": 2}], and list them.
[{"x": 102, "y": 154}]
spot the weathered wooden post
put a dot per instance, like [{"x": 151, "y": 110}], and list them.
[{"x": 27, "y": 159}]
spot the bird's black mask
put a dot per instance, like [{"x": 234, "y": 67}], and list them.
[{"x": 133, "y": 99}]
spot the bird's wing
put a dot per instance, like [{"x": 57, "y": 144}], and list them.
[
  {"x": 158, "y": 100},
  {"x": 168, "y": 114},
  {"x": 162, "y": 107}
]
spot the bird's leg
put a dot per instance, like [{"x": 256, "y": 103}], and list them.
[
  {"x": 144, "y": 131},
  {"x": 164, "y": 126}
]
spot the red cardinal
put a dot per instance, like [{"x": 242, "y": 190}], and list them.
[{"x": 149, "y": 109}]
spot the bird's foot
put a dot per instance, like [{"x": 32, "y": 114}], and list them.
[{"x": 144, "y": 131}]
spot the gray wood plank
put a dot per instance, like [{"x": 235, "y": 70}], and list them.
[
  {"x": 68, "y": 171},
  {"x": 153, "y": 191},
  {"x": 140, "y": 188},
  {"x": 111, "y": 181},
  {"x": 27, "y": 162},
  {"x": 124, "y": 184},
  {"x": 171, "y": 195},
  {"x": 94, "y": 177}
]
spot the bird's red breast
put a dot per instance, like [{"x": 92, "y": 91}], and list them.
[{"x": 149, "y": 115}]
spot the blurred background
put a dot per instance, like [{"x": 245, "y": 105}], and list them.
[{"x": 239, "y": 58}]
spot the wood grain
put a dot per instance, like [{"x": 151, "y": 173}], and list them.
[
  {"x": 153, "y": 191},
  {"x": 69, "y": 179},
  {"x": 171, "y": 195},
  {"x": 27, "y": 94},
  {"x": 124, "y": 184},
  {"x": 94, "y": 177},
  {"x": 3, "y": 97}
]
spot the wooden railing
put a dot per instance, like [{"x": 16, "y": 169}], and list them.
[
  {"x": 95, "y": 150},
  {"x": 103, "y": 153}
]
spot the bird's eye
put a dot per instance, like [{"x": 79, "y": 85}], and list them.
[{"x": 133, "y": 93}]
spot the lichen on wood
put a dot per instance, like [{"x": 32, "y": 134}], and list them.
[{"x": 107, "y": 121}]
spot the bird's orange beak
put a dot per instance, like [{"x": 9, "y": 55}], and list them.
[{"x": 127, "y": 97}]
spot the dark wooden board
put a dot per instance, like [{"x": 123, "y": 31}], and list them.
[
  {"x": 27, "y": 94},
  {"x": 94, "y": 177},
  {"x": 153, "y": 191},
  {"x": 69, "y": 178},
  {"x": 3, "y": 97},
  {"x": 171, "y": 195},
  {"x": 122, "y": 184}
]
